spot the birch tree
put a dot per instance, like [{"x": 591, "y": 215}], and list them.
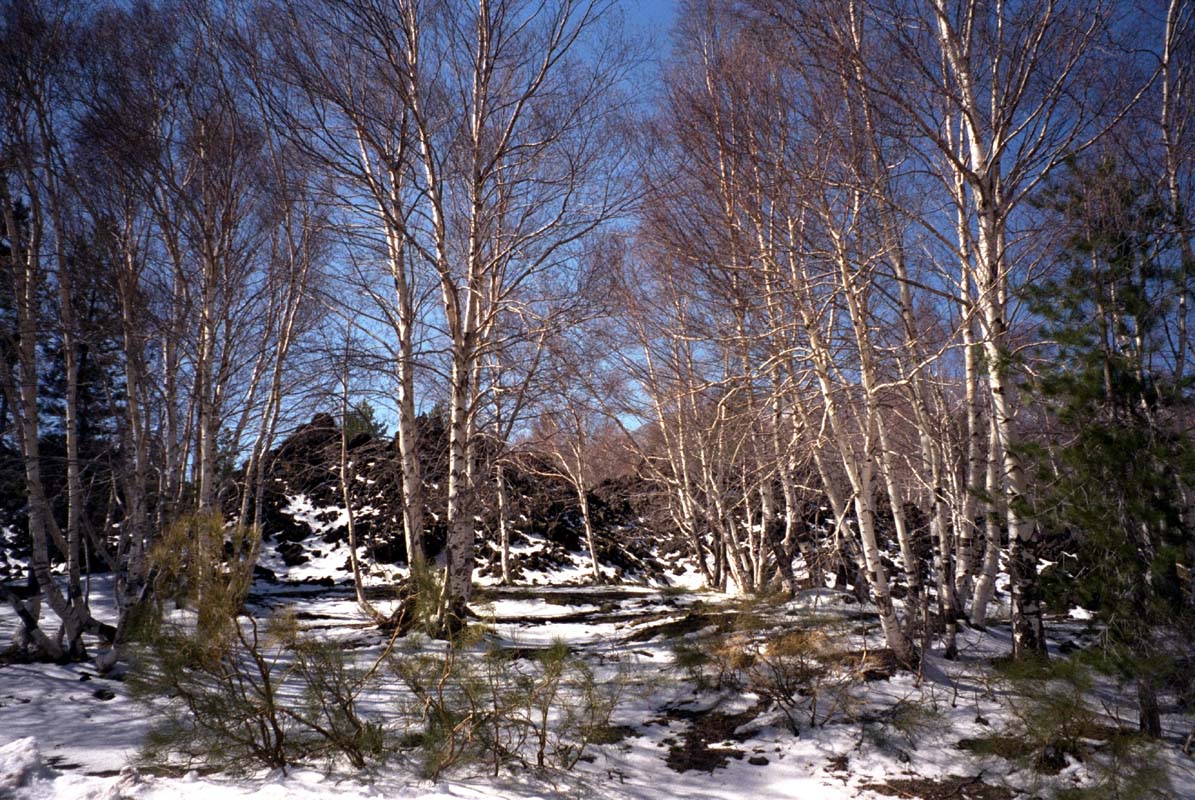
[
  {"x": 36, "y": 211},
  {"x": 1022, "y": 86}
]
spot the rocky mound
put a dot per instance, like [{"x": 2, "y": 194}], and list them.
[{"x": 304, "y": 517}]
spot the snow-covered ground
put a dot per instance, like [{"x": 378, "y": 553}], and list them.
[{"x": 67, "y": 732}]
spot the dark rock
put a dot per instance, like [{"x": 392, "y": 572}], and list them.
[
  {"x": 264, "y": 574},
  {"x": 632, "y": 535},
  {"x": 292, "y": 554}
]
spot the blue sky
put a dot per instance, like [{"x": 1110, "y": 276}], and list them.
[{"x": 654, "y": 16}]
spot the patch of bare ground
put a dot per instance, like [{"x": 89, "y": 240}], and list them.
[
  {"x": 704, "y": 745},
  {"x": 953, "y": 787},
  {"x": 691, "y": 622}
]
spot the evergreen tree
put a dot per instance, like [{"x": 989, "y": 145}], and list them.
[
  {"x": 1114, "y": 482},
  {"x": 362, "y": 419}
]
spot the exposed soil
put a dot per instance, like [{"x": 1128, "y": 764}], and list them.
[
  {"x": 691, "y": 622},
  {"x": 839, "y": 763},
  {"x": 955, "y": 787},
  {"x": 703, "y": 746}
]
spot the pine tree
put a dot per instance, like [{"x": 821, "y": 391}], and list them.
[
  {"x": 362, "y": 419},
  {"x": 1114, "y": 482}
]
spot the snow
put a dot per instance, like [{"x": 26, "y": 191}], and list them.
[
  {"x": 67, "y": 742},
  {"x": 301, "y": 509},
  {"x": 688, "y": 577},
  {"x": 294, "y": 785},
  {"x": 20, "y": 764},
  {"x": 63, "y": 708},
  {"x": 68, "y": 732},
  {"x": 537, "y": 607}
]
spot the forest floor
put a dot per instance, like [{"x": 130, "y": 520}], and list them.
[{"x": 704, "y": 711}]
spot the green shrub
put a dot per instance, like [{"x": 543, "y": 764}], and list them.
[
  {"x": 690, "y": 658},
  {"x": 228, "y": 692},
  {"x": 1054, "y": 722},
  {"x": 201, "y": 564},
  {"x": 272, "y": 696},
  {"x": 498, "y": 707},
  {"x": 903, "y": 724}
]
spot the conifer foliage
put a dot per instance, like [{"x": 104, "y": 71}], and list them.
[{"x": 1115, "y": 475}]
